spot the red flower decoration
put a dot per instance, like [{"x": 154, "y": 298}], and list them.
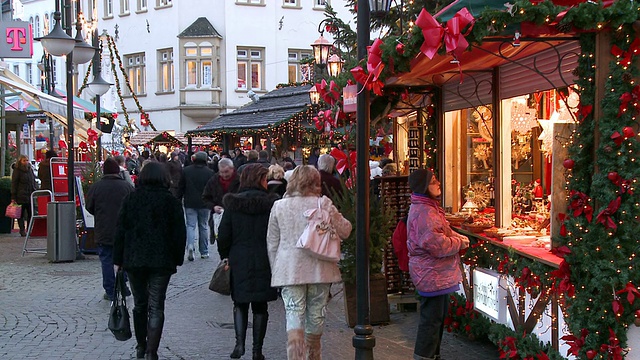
[
  {"x": 617, "y": 138},
  {"x": 580, "y": 205},
  {"x": 632, "y": 292},
  {"x": 575, "y": 343},
  {"x": 564, "y": 275},
  {"x": 604, "y": 217}
]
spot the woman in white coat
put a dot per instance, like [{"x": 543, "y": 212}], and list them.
[{"x": 304, "y": 279}]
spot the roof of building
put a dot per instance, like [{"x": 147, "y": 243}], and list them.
[
  {"x": 164, "y": 137},
  {"x": 271, "y": 109},
  {"x": 200, "y": 28}
]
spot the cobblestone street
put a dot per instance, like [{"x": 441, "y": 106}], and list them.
[{"x": 56, "y": 311}]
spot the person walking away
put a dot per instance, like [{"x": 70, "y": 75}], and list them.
[
  {"x": 304, "y": 279},
  {"x": 252, "y": 158},
  {"x": 434, "y": 260},
  {"x": 225, "y": 181},
  {"x": 23, "y": 183},
  {"x": 175, "y": 171},
  {"x": 149, "y": 248},
  {"x": 194, "y": 178},
  {"x": 246, "y": 248},
  {"x": 275, "y": 180},
  {"x": 263, "y": 159},
  {"x": 44, "y": 170},
  {"x": 313, "y": 158},
  {"x": 124, "y": 173},
  {"x": 104, "y": 200},
  {"x": 331, "y": 185}
]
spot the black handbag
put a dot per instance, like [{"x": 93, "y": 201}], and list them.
[
  {"x": 119, "y": 315},
  {"x": 221, "y": 279}
]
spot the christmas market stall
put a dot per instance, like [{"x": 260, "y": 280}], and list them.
[
  {"x": 165, "y": 141},
  {"x": 532, "y": 107},
  {"x": 276, "y": 120}
]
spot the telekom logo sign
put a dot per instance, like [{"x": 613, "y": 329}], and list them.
[
  {"x": 16, "y": 36},
  {"x": 18, "y": 39}
]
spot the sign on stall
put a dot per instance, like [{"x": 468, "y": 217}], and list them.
[{"x": 490, "y": 294}]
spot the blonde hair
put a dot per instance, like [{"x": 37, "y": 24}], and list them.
[
  {"x": 276, "y": 172},
  {"x": 304, "y": 181}
]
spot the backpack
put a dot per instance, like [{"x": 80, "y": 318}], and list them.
[{"x": 399, "y": 241}]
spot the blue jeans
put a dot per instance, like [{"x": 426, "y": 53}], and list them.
[
  {"x": 105, "y": 253},
  {"x": 199, "y": 218},
  {"x": 305, "y": 306}
]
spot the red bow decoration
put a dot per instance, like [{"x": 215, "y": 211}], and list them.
[
  {"x": 371, "y": 78},
  {"x": 575, "y": 343},
  {"x": 625, "y": 187},
  {"x": 630, "y": 97},
  {"x": 433, "y": 33},
  {"x": 561, "y": 251},
  {"x": 604, "y": 217},
  {"x": 613, "y": 348},
  {"x": 324, "y": 121},
  {"x": 626, "y": 55},
  {"x": 343, "y": 162},
  {"x": 564, "y": 274},
  {"x": 617, "y": 138},
  {"x": 583, "y": 111},
  {"x": 632, "y": 292},
  {"x": 563, "y": 228},
  {"x": 329, "y": 95},
  {"x": 580, "y": 205},
  {"x": 115, "y": 152},
  {"x": 92, "y": 137}
]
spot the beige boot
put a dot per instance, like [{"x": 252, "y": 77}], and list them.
[
  {"x": 314, "y": 347},
  {"x": 295, "y": 344}
]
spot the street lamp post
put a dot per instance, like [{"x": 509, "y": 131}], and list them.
[
  {"x": 58, "y": 43},
  {"x": 47, "y": 85},
  {"x": 99, "y": 87}
]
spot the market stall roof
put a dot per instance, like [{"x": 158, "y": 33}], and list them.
[
  {"x": 165, "y": 137},
  {"x": 270, "y": 110}
]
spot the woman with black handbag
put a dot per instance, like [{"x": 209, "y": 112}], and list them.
[
  {"x": 242, "y": 238},
  {"x": 149, "y": 248}
]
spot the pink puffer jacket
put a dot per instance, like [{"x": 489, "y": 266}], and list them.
[{"x": 434, "y": 263}]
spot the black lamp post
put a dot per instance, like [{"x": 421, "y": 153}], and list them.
[
  {"x": 58, "y": 43},
  {"x": 99, "y": 87},
  {"x": 47, "y": 85}
]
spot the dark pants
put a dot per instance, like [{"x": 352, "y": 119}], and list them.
[
  {"x": 149, "y": 289},
  {"x": 256, "y": 307},
  {"x": 432, "y": 313},
  {"x": 25, "y": 216}
]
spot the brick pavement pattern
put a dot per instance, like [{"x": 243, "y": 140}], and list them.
[{"x": 56, "y": 311}]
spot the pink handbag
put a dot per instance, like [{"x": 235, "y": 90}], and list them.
[
  {"x": 13, "y": 211},
  {"x": 319, "y": 238}
]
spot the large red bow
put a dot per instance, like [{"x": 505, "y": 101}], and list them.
[
  {"x": 604, "y": 217},
  {"x": 626, "y": 98},
  {"x": 371, "y": 78},
  {"x": 626, "y": 55},
  {"x": 329, "y": 94},
  {"x": 433, "y": 33},
  {"x": 343, "y": 161}
]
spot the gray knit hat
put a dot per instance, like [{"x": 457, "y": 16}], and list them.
[
  {"x": 419, "y": 180},
  {"x": 201, "y": 156}
]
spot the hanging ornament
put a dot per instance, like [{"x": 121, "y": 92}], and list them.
[
  {"x": 568, "y": 163},
  {"x": 400, "y": 48},
  {"x": 628, "y": 132}
]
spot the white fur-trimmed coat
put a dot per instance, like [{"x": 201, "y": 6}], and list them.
[{"x": 289, "y": 264}]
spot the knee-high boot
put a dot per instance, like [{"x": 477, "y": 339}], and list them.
[
  {"x": 140, "y": 328},
  {"x": 314, "y": 346},
  {"x": 154, "y": 333},
  {"x": 295, "y": 344},
  {"x": 259, "y": 331},
  {"x": 240, "y": 320}
]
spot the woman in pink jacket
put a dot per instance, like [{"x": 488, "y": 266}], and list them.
[{"x": 434, "y": 263}]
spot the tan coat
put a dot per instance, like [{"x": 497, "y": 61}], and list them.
[{"x": 289, "y": 264}]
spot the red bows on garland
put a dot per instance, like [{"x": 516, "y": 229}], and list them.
[
  {"x": 324, "y": 121},
  {"x": 626, "y": 55},
  {"x": 371, "y": 78},
  {"x": 583, "y": 111},
  {"x": 343, "y": 162},
  {"x": 575, "y": 343},
  {"x": 604, "y": 217},
  {"x": 433, "y": 33},
  {"x": 564, "y": 274},
  {"x": 632, "y": 97},
  {"x": 580, "y": 204},
  {"x": 330, "y": 94},
  {"x": 632, "y": 292}
]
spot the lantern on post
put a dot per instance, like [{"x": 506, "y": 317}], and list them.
[
  {"x": 334, "y": 65},
  {"x": 321, "y": 49},
  {"x": 314, "y": 95},
  {"x": 379, "y": 8}
]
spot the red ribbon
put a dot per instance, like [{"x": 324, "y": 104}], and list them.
[
  {"x": 604, "y": 217},
  {"x": 626, "y": 55},
  {"x": 617, "y": 138},
  {"x": 583, "y": 111},
  {"x": 343, "y": 161},
  {"x": 626, "y": 98},
  {"x": 371, "y": 78},
  {"x": 433, "y": 33},
  {"x": 329, "y": 95}
]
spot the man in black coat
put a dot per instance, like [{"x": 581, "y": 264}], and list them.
[
  {"x": 104, "y": 200},
  {"x": 194, "y": 179}
]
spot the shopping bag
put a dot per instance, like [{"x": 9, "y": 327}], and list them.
[
  {"x": 13, "y": 211},
  {"x": 119, "y": 323},
  {"x": 319, "y": 238},
  {"x": 221, "y": 279},
  {"x": 216, "y": 222}
]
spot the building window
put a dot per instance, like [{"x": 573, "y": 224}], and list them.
[
  {"x": 16, "y": 69},
  {"x": 52, "y": 21},
  {"x": 108, "y": 8},
  {"x": 33, "y": 24},
  {"x": 165, "y": 66},
  {"x": 45, "y": 24},
  {"x": 36, "y": 29},
  {"x": 124, "y": 7},
  {"x": 199, "y": 65},
  {"x": 299, "y": 72},
  {"x": 29, "y": 73},
  {"x": 250, "y": 2},
  {"x": 142, "y": 5},
  {"x": 320, "y": 3},
  {"x": 135, "y": 66},
  {"x": 163, "y": 3},
  {"x": 88, "y": 13},
  {"x": 250, "y": 68},
  {"x": 291, "y": 3}
]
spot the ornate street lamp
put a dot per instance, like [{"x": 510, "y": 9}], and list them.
[
  {"x": 57, "y": 42},
  {"x": 321, "y": 49},
  {"x": 314, "y": 95},
  {"x": 334, "y": 65},
  {"x": 379, "y": 8},
  {"x": 99, "y": 87}
]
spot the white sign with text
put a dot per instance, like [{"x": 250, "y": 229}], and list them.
[{"x": 490, "y": 294}]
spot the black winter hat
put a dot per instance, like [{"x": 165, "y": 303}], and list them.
[
  {"x": 419, "y": 180},
  {"x": 110, "y": 166}
]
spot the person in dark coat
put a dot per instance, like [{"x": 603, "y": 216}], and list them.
[
  {"x": 44, "y": 170},
  {"x": 194, "y": 179},
  {"x": 331, "y": 186},
  {"x": 175, "y": 171},
  {"x": 240, "y": 158},
  {"x": 275, "y": 180},
  {"x": 149, "y": 247},
  {"x": 246, "y": 248},
  {"x": 252, "y": 158},
  {"x": 23, "y": 183},
  {"x": 225, "y": 181},
  {"x": 103, "y": 201}
]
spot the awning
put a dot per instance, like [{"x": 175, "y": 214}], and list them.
[{"x": 85, "y": 105}]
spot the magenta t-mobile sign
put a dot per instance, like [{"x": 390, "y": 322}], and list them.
[{"x": 18, "y": 39}]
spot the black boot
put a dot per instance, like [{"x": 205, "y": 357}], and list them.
[
  {"x": 140, "y": 327},
  {"x": 154, "y": 333},
  {"x": 240, "y": 320},
  {"x": 259, "y": 331}
]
